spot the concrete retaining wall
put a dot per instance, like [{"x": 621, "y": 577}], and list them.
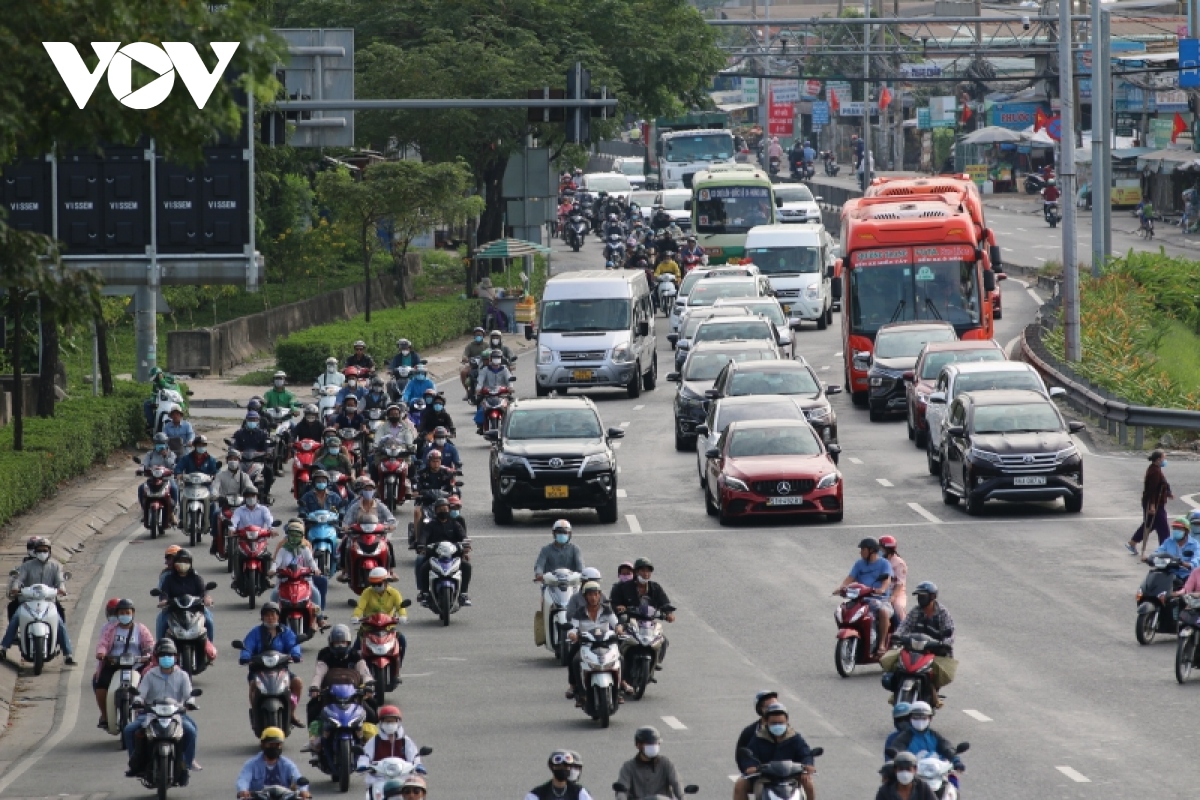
[{"x": 211, "y": 351}]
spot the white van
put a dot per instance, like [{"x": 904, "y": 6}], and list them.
[
  {"x": 799, "y": 262},
  {"x": 595, "y": 329}
]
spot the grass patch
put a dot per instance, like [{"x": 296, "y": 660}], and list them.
[
  {"x": 259, "y": 377},
  {"x": 1179, "y": 356}
]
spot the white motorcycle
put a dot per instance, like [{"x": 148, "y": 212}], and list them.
[
  {"x": 37, "y": 624},
  {"x": 122, "y": 689},
  {"x": 164, "y": 399},
  {"x": 667, "y": 290},
  {"x": 558, "y": 587},
  {"x": 326, "y": 402},
  {"x": 390, "y": 769},
  {"x": 196, "y": 495},
  {"x": 935, "y": 772},
  {"x": 599, "y": 671},
  {"x": 445, "y": 578}
]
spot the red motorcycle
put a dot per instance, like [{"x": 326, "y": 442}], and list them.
[
  {"x": 381, "y": 650},
  {"x": 249, "y": 578},
  {"x": 339, "y": 483},
  {"x": 305, "y": 452},
  {"x": 690, "y": 262},
  {"x": 158, "y": 498},
  {"x": 495, "y": 406},
  {"x": 368, "y": 549},
  {"x": 912, "y": 680},
  {"x": 357, "y": 376},
  {"x": 391, "y": 476},
  {"x": 856, "y": 636},
  {"x": 297, "y": 609}
]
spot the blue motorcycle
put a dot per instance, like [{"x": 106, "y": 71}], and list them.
[
  {"x": 322, "y": 534},
  {"x": 341, "y": 733}
]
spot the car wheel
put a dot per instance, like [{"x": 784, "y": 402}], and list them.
[
  {"x": 975, "y": 504},
  {"x": 920, "y": 439},
  {"x": 934, "y": 465},
  {"x": 912, "y": 432},
  {"x": 1074, "y": 503},
  {"x": 701, "y": 472},
  {"x": 683, "y": 442},
  {"x": 722, "y": 517},
  {"x": 822, "y": 321},
  {"x": 948, "y": 497},
  {"x": 857, "y": 398},
  {"x": 709, "y": 506},
  {"x": 502, "y": 512},
  {"x": 651, "y": 380},
  {"x": 608, "y": 511},
  {"x": 829, "y": 314},
  {"x": 541, "y": 391},
  {"x": 634, "y": 388}
]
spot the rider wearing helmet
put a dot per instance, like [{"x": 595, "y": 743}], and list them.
[
  {"x": 494, "y": 376},
  {"x": 900, "y": 714},
  {"x": 899, "y": 575},
  {"x": 333, "y": 456},
  {"x": 595, "y": 612},
  {"x": 321, "y": 497},
  {"x": 360, "y": 358},
  {"x": 391, "y": 742},
  {"x": 295, "y": 551},
  {"x": 310, "y": 425},
  {"x": 271, "y": 635},
  {"x": 168, "y": 563},
  {"x": 577, "y": 600},
  {"x": 176, "y": 427},
  {"x": 496, "y": 342},
  {"x": 116, "y": 639},
  {"x": 435, "y": 416},
  {"x": 110, "y": 608},
  {"x": 379, "y": 598},
  {"x": 441, "y": 441},
  {"x": 776, "y": 740},
  {"x": 412, "y": 786},
  {"x": 418, "y": 382},
  {"x": 354, "y": 387},
  {"x": 761, "y": 701},
  {"x": 558, "y": 554},
  {"x": 931, "y": 619},
  {"x": 332, "y": 376},
  {"x": 560, "y": 786},
  {"x": 442, "y": 528},
  {"x": 351, "y": 417},
  {"x": 873, "y": 570},
  {"x": 338, "y": 662},
  {"x": 165, "y": 680},
  {"x": 918, "y": 738},
  {"x": 251, "y": 436},
  {"x": 41, "y": 569},
  {"x": 180, "y": 581},
  {"x": 278, "y": 396},
  {"x": 405, "y": 356},
  {"x": 474, "y": 349},
  {"x": 159, "y": 456},
  {"x": 648, "y": 774},
  {"x": 377, "y": 396},
  {"x": 270, "y": 767}
]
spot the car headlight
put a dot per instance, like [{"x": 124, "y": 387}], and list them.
[
  {"x": 506, "y": 460},
  {"x": 689, "y": 399},
  {"x": 597, "y": 461},
  {"x": 1063, "y": 455},
  {"x": 976, "y": 454},
  {"x": 812, "y": 292},
  {"x": 735, "y": 484},
  {"x": 545, "y": 355},
  {"x": 862, "y": 360},
  {"x": 820, "y": 413},
  {"x": 922, "y": 397},
  {"x": 621, "y": 354},
  {"x": 876, "y": 380},
  {"x": 829, "y": 480}
]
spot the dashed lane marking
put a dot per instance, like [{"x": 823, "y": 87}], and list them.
[
  {"x": 638, "y": 408},
  {"x": 1190, "y": 499},
  {"x": 624, "y": 424},
  {"x": 825, "y": 367},
  {"x": 674, "y": 723},
  {"x": 838, "y": 354},
  {"x": 884, "y": 482},
  {"x": 622, "y": 493},
  {"x": 854, "y": 460},
  {"x": 1073, "y": 775},
  {"x": 924, "y": 512},
  {"x": 634, "y": 525},
  {"x": 975, "y": 715}
]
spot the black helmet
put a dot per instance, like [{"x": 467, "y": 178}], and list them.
[
  {"x": 926, "y": 587},
  {"x": 269, "y": 606},
  {"x": 125, "y": 604},
  {"x": 183, "y": 555},
  {"x": 165, "y": 647},
  {"x": 643, "y": 562},
  {"x": 646, "y": 735},
  {"x": 769, "y": 694},
  {"x": 869, "y": 544},
  {"x": 339, "y": 638},
  {"x": 200, "y": 440}
]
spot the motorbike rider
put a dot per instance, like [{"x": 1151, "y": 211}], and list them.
[
  {"x": 931, "y": 619},
  {"x": 761, "y": 701},
  {"x": 558, "y": 554},
  {"x": 310, "y": 426},
  {"x": 661, "y": 219},
  {"x": 383, "y": 599},
  {"x": 667, "y": 266},
  {"x": 396, "y": 425},
  {"x": 412, "y": 786},
  {"x": 495, "y": 376},
  {"x": 377, "y": 396},
  {"x": 163, "y": 681},
  {"x": 901, "y": 712},
  {"x": 405, "y": 356},
  {"x": 159, "y": 380},
  {"x": 319, "y": 497},
  {"x": 251, "y": 512},
  {"x": 390, "y": 742},
  {"x": 334, "y": 456},
  {"x": 776, "y": 740},
  {"x": 365, "y": 509},
  {"x": 899, "y": 575},
  {"x": 351, "y": 417},
  {"x": 418, "y": 382},
  {"x": 332, "y": 376},
  {"x": 270, "y": 635},
  {"x": 899, "y": 782},
  {"x": 691, "y": 249},
  {"x": 443, "y": 528},
  {"x": 594, "y": 612},
  {"x": 921, "y": 740},
  {"x": 874, "y": 571},
  {"x": 354, "y": 387},
  {"x": 441, "y": 442},
  {"x": 278, "y": 396},
  {"x": 295, "y": 551},
  {"x": 333, "y": 660},
  {"x": 633, "y": 594},
  {"x": 624, "y": 575},
  {"x": 474, "y": 349},
  {"x": 176, "y": 427},
  {"x": 251, "y": 437},
  {"x": 796, "y": 156},
  {"x": 269, "y": 768},
  {"x": 436, "y": 415},
  {"x": 198, "y": 460},
  {"x": 1182, "y": 545},
  {"x": 496, "y": 342},
  {"x": 182, "y": 580},
  {"x": 41, "y": 569},
  {"x": 117, "y": 639},
  {"x": 360, "y": 358},
  {"x": 1050, "y": 195},
  {"x": 649, "y": 774},
  {"x": 560, "y": 787},
  {"x": 160, "y": 456},
  {"x": 810, "y": 156}
]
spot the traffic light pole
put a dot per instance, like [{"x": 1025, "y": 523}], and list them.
[{"x": 1066, "y": 174}]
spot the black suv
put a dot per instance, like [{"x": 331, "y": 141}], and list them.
[
  {"x": 897, "y": 346},
  {"x": 553, "y": 453},
  {"x": 1009, "y": 444},
  {"x": 789, "y": 377}
]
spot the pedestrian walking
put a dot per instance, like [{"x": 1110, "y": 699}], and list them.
[{"x": 1155, "y": 494}]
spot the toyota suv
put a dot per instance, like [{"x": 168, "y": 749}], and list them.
[
  {"x": 553, "y": 453},
  {"x": 1010, "y": 445}
]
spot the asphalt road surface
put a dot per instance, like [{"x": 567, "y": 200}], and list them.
[{"x": 1053, "y": 693}]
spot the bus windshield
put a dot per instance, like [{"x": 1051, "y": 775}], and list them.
[
  {"x": 733, "y": 209},
  {"x": 918, "y": 283},
  {"x": 699, "y": 147}
]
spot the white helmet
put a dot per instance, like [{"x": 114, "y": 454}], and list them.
[{"x": 590, "y": 574}]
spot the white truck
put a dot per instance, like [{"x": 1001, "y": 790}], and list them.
[{"x": 681, "y": 154}]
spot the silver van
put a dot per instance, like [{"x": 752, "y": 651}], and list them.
[{"x": 596, "y": 329}]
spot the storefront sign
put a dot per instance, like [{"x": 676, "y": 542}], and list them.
[
  {"x": 978, "y": 172},
  {"x": 1014, "y": 116},
  {"x": 782, "y": 118},
  {"x": 1126, "y": 195}
]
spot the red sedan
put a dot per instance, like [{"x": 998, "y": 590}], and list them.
[
  {"x": 924, "y": 375},
  {"x": 767, "y": 467}
]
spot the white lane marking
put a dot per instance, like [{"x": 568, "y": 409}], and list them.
[
  {"x": 638, "y": 408},
  {"x": 838, "y": 354},
  {"x": 854, "y": 460},
  {"x": 674, "y": 723},
  {"x": 973, "y": 714},
  {"x": 1073, "y": 775},
  {"x": 1008, "y": 249},
  {"x": 83, "y": 646},
  {"x": 1083, "y": 448},
  {"x": 1024, "y": 284},
  {"x": 1190, "y": 500},
  {"x": 1034, "y": 295},
  {"x": 734, "y": 778},
  {"x": 634, "y": 525},
  {"x": 1022, "y": 230},
  {"x": 924, "y": 512},
  {"x": 825, "y": 367},
  {"x": 884, "y": 482},
  {"x": 1008, "y": 348},
  {"x": 622, "y": 493},
  {"x": 618, "y": 469},
  {"x": 624, "y": 425},
  {"x": 1039, "y": 258}
]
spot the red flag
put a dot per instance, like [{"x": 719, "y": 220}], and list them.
[
  {"x": 833, "y": 101},
  {"x": 1040, "y": 120},
  {"x": 966, "y": 115},
  {"x": 885, "y": 98},
  {"x": 1177, "y": 127}
]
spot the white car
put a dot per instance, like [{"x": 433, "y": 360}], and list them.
[
  {"x": 645, "y": 201},
  {"x": 672, "y": 201},
  {"x": 797, "y": 203},
  {"x": 614, "y": 183},
  {"x": 633, "y": 169}
]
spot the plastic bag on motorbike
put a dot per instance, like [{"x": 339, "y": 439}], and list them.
[{"x": 539, "y": 631}]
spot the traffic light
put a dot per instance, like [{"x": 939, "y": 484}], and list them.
[{"x": 579, "y": 87}]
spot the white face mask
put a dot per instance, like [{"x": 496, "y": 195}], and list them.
[
  {"x": 390, "y": 728},
  {"x": 650, "y": 750},
  {"x": 919, "y": 724},
  {"x": 42, "y": 557},
  {"x": 905, "y": 777},
  {"x": 574, "y": 775}
]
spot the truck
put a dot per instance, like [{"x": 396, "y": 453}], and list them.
[
  {"x": 682, "y": 154},
  {"x": 663, "y": 163},
  {"x": 910, "y": 257}
]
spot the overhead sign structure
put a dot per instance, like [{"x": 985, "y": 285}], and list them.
[{"x": 320, "y": 67}]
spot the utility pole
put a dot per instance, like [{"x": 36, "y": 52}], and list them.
[
  {"x": 1101, "y": 141},
  {"x": 1103, "y": 74},
  {"x": 866, "y": 164},
  {"x": 764, "y": 88},
  {"x": 1066, "y": 92}
]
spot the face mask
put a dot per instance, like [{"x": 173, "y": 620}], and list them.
[
  {"x": 233, "y": 465},
  {"x": 1177, "y": 535},
  {"x": 183, "y": 568},
  {"x": 443, "y": 515},
  {"x": 905, "y": 777},
  {"x": 380, "y": 588},
  {"x": 478, "y": 339},
  {"x": 293, "y": 544},
  {"x": 390, "y": 728},
  {"x": 405, "y": 351},
  {"x": 650, "y": 750},
  {"x": 251, "y": 502},
  {"x": 924, "y": 600},
  {"x": 278, "y": 384},
  {"x": 1163, "y": 464},
  {"x": 273, "y": 753},
  {"x": 321, "y": 485},
  {"x": 920, "y": 724},
  {"x": 125, "y": 619},
  {"x": 201, "y": 450},
  {"x": 440, "y": 441},
  {"x": 561, "y": 774},
  {"x": 394, "y": 420},
  {"x": 166, "y": 662},
  {"x": 456, "y": 513},
  {"x": 42, "y": 557},
  {"x": 496, "y": 365},
  {"x": 251, "y": 425},
  {"x": 778, "y": 728},
  {"x": 575, "y": 773},
  {"x": 331, "y": 369},
  {"x": 561, "y": 538},
  {"x": 642, "y": 580},
  {"x": 368, "y": 494},
  {"x": 438, "y": 406},
  {"x": 158, "y": 448},
  {"x": 495, "y": 342},
  {"x": 624, "y": 578}
]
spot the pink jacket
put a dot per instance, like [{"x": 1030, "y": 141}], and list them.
[{"x": 108, "y": 634}]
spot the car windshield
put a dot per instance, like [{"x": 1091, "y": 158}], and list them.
[
  {"x": 643, "y": 199},
  {"x": 887, "y": 286},
  {"x": 694, "y": 321},
  {"x": 935, "y": 361},
  {"x": 794, "y": 193},
  {"x": 705, "y": 294},
  {"x": 690, "y": 280},
  {"x": 768, "y": 308},
  {"x": 733, "y": 209},
  {"x": 792, "y": 381},
  {"x": 983, "y": 381},
  {"x": 716, "y": 146},
  {"x": 632, "y": 168},
  {"x": 608, "y": 183},
  {"x": 565, "y": 316},
  {"x": 785, "y": 260},
  {"x": 748, "y": 328},
  {"x": 788, "y": 441},
  {"x": 1016, "y": 418},
  {"x": 675, "y": 201},
  {"x": 707, "y": 365},
  {"x": 777, "y": 409},
  {"x": 563, "y": 423},
  {"x": 900, "y": 343}
]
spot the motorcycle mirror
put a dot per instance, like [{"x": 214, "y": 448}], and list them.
[
  {"x": 302, "y": 782},
  {"x": 220, "y": 463},
  {"x": 619, "y": 787},
  {"x": 406, "y": 603},
  {"x": 962, "y": 747},
  {"x": 425, "y": 751},
  {"x": 890, "y": 753},
  {"x": 237, "y": 644},
  {"x": 352, "y": 603},
  {"x": 492, "y": 436},
  {"x": 512, "y": 378},
  {"x": 818, "y": 751},
  {"x": 459, "y": 484},
  {"x": 137, "y": 460},
  {"x": 228, "y": 441},
  {"x": 155, "y": 593},
  {"x": 208, "y": 587},
  {"x": 277, "y": 523},
  {"x": 67, "y": 575},
  {"x": 197, "y": 692},
  {"x": 691, "y": 789}
]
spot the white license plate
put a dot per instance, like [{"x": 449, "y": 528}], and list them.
[
  {"x": 1030, "y": 480},
  {"x": 785, "y": 501}
]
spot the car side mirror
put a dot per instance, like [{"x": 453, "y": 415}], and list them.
[
  {"x": 1058, "y": 391},
  {"x": 818, "y": 198},
  {"x": 989, "y": 281},
  {"x": 712, "y": 452},
  {"x": 702, "y": 430},
  {"x": 937, "y": 398},
  {"x": 711, "y": 394},
  {"x": 643, "y": 328},
  {"x": 686, "y": 344},
  {"x": 211, "y": 585},
  {"x": 955, "y": 430},
  {"x": 962, "y": 747},
  {"x": 833, "y": 389},
  {"x": 908, "y": 376},
  {"x": 616, "y": 433},
  {"x": 687, "y": 205},
  {"x": 153, "y": 592},
  {"x": 492, "y": 436},
  {"x": 995, "y": 257},
  {"x": 833, "y": 448},
  {"x": 673, "y": 377},
  {"x": 779, "y": 202},
  {"x": 1075, "y": 427},
  {"x": 673, "y": 338}
]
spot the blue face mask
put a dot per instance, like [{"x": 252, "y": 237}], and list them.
[
  {"x": 166, "y": 662},
  {"x": 321, "y": 485},
  {"x": 778, "y": 729},
  {"x": 201, "y": 450},
  {"x": 438, "y": 406},
  {"x": 1163, "y": 464},
  {"x": 124, "y": 619},
  {"x": 455, "y": 513},
  {"x": 158, "y": 448},
  {"x": 478, "y": 338},
  {"x": 1178, "y": 535},
  {"x": 251, "y": 425},
  {"x": 561, "y": 538}
]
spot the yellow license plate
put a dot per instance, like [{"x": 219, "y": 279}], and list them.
[
  {"x": 557, "y": 491},
  {"x": 787, "y": 309},
  {"x": 582, "y": 375}
]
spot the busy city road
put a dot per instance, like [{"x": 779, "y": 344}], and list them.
[{"x": 1054, "y": 695}]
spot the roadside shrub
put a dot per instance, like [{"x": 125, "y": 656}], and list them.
[
  {"x": 429, "y": 323},
  {"x": 83, "y": 431},
  {"x": 1172, "y": 282}
]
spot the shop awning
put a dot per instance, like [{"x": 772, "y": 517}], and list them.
[
  {"x": 729, "y": 108},
  {"x": 1167, "y": 160}
]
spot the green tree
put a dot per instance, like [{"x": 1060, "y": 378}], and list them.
[{"x": 359, "y": 206}]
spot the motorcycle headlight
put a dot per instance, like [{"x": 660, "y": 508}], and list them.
[
  {"x": 621, "y": 354},
  {"x": 736, "y": 484},
  {"x": 829, "y": 480},
  {"x": 545, "y": 355}
]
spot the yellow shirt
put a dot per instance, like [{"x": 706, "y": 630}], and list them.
[
  {"x": 667, "y": 266},
  {"x": 386, "y": 602}
]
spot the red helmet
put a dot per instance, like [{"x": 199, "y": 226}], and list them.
[
  {"x": 455, "y": 501},
  {"x": 110, "y": 608},
  {"x": 390, "y": 711},
  {"x": 888, "y": 542}
]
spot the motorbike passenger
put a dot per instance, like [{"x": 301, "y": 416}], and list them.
[
  {"x": 310, "y": 426},
  {"x": 441, "y": 443},
  {"x": 41, "y": 569},
  {"x": 691, "y": 249},
  {"x": 412, "y": 786},
  {"x": 270, "y": 635},
  {"x": 160, "y": 456},
  {"x": 496, "y": 376},
  {"x": 332, "y": 376},
  {"x": 901, "y": 712},
  {"x": 560, "y": 786},
  {"x": 340, "y": 655},
  {"x": 633, "y": 594},
  {"x": 496, "y": 342},
  {"x": 269, "y": 768},
  {"x": 661, "y": 219},
  {"x": 418, "y": 382},
  {"x": 405, "y": 356},
  {"x": 319, "y": 497},
  {"x": 351, "y": 417},
  {"x": 278, "y": 396},
  {"x": 182, "y": 580},
  {"x": 118, "y": 638},
  {"x": 251, "y": 437},
  {"x": 334, "y": 457},
  {"x": 921, "y": 740},
  {"x": 558, "y": 554},
  {"x": 436, "y": 416},
  {"x": 360, "y": 358},
  {"x": 161, "y": 682},
  {"x": 649, "y": 773},
  {"x": 900, "y": 781},
  {"x": 899, "y": 575},
  {"x": 176, "y": 427},
  {"x": 433, "y": 478},
  {"x": 383, "y": 599},
  {"x": 474, "y": 349},
  {"x": 577, "y": 601},
  {"x": 390, "y": 742},
  {"x": 295, "y": 551},
  {"x": 1050, "y": 196},
  {"x": 931, "y": 619},
  {"x": 624, "y": 575},
  {"x": 442, "y": 528},
  {"x": 1181, "y": 545},
  {"x": 761, "y": 701},
  {"x": 873, "y": 570},
  {"x": 777, "y": 740},
  {"x": 594, "y": 611},
  {"x": 796, "y": 156},
  {"x": 366, "y": 508}
]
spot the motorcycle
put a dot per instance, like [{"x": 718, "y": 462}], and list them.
[
  {"x": 773, "y": 165},
  {"x": 169, "y": 395},
  {"x": 495, "y": 406},
  {"x": 164, "y": 736},
  {"x": 273, "y": 694},
  {"x": 196, "y": 497},
  {"x": 667, "y": 290},
  {"x": 381, "y": 650},
  {"x": 37, "y": 624},
  {"x": 279, "y": 422},
  {"x": 599, "y": 671},
  {"x": 225, "y": 541},
  {"x": 614, "y": 252},
  {"x": 392, "y": 466},
  {"x": 1187, "y": 654},
  {"x": 326, "y": 402},
  {"x": 185, "y": 627},
  {"x": 158, "y": 497},
  {"x": 576, "y": 230},
  {"x": 322, "y": 535},
  {"x": 342, "y": 721},
  {"x": 368, "y": 549},
  {"x": 911, "y": 679},
  {"x": 296, "y": 607},
  {"x": 445, "y": 578},
  {"x": 935, "y": 772},
  {"x": 249, "y": 579},
  {"x": 778, "y": 780},
  {"x": 121, "y": 691},
  {"x": 1034, "y": 183},
  {"x": 426, "y": 501},
  {"x": 1157, "y": 610},
  {"x": 1051, "y": 213},
  {"x": 857, "y": 633},
  {"x": 558, "y": 587},
  {"x": 390, "y": 769},
  {"x": 690, "y": 261},
  {"x": 642, "y": 646},
  {"x": 398, "y": 383},
  {"x": 831, "y": 165},
  {"x": 305, "y": 453}
]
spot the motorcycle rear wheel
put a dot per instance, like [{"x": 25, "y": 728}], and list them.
[
  {"x": 1185, "y": 656},
  {"x": 844, "y": 656},
  {"x": 1146, "y": 627}
]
